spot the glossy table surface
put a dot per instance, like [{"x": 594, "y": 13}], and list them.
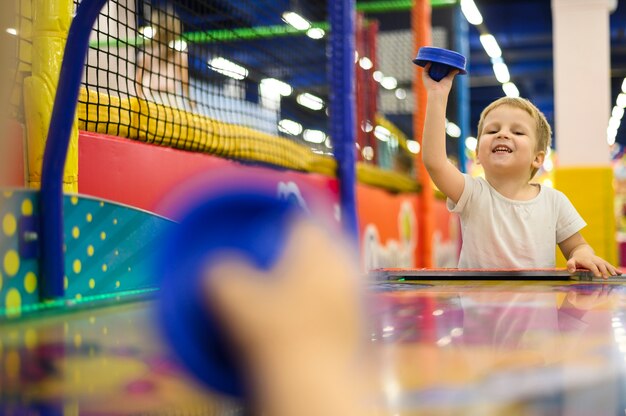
[{"x": 438, "y": 347}]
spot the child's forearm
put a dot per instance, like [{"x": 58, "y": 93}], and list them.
[
  {"x": 434, "y": 139},
  {"x": 581, "y": 248}
]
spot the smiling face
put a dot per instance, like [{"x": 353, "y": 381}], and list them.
[{"x": 508, "y": 142}]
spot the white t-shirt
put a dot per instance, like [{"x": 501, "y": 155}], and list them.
[{"x": 499, "y": 232}]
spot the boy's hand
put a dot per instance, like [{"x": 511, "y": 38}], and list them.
[
  {"x": 443, "y": 86},
  {"x": 586, "y": 259}
]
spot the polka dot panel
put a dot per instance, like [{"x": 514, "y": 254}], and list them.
[
  {"x": 93, "y": 265},
  {"x": 19, "y": 277},
  {"x": 108, "y": 247}
]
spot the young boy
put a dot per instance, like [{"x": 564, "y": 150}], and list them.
[{"x": 506, "y": 221}]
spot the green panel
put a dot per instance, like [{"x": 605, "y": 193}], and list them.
[
  {"x": 223, "y": 35},
  {"x": 385, "y": 6}
]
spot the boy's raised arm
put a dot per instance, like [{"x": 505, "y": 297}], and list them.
[{"x": 444, "y": 174}]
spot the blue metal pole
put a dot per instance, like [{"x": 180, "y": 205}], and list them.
[
  {"x": 461, "y": 41},
  {"x": 51, "y": 196},
  {"x": 342, "y": 106}
]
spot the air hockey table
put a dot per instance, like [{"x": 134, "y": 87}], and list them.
[{"x": 443, "y": 344}]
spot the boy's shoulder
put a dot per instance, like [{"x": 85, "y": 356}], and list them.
[{"x": 552, "y": 194}]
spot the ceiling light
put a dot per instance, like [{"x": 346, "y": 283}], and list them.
[
  {"x": 469, "y": 9},
  {"x": 491, "y": 46},
  {"x": 366, "y": 63},
  {"x": 12, "y": 31},
  {"x": 315, "y": 33},
  {"x": 228, "y": 68},
  {"x": 314, "y": 136},
  {"x": 611, "y": 136},
  {"x": 178, "y": 45},
  {"x": 271, "y": 84},
  {"x": 618, "y": 112},
  {"x": 510, "y": 89},
  {"x": 389, "y": 83},
  {"x": 378, "y": 76},
  {"x": 614, "y": 123},
  {"x": 400, "y": 94},
  {"x": 147, "y": 32},
  {"x": 453, "y": 130},
  {"x": 297, "y": 21},
  {"x": 624, "y": 86},
  {"x": 368, "y": 153},
  {"x": 471, "y": 143},
  {"x": 413, "y": 146},
  {"x": 382, "y": 133},
  {"x": 290, "y": 127},
  {"x": 310, "y": 101},
  {"x": 621, "y": 100},
  {"x": 502, "y": 72}
]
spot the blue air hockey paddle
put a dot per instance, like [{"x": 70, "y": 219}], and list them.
[
  {"x": 442, "y": 61},
  {"x": 252, "y": 222}
]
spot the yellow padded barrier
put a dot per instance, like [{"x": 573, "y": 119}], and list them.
[
  {"x": 386, "y": 179},
  {"x": 51, "y": 21},
  {"x": 103, "y": 113},
  {"x": 156, "y": 123},
  {"x": 591, "y": 191}
]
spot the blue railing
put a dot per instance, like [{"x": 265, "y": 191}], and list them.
[{"x": 59, "y": 132}]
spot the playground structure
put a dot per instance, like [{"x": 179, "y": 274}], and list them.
[{"x": 86, "y": 245}]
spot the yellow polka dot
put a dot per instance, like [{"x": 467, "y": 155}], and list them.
[
  {"x": 90, "y": 250},
  {"x": 74, "y": 200},
  {"x": 30, "y": 282},
  {"x": 11, "y": 263},
  {"x": 105, "y": 268},
  {"x": 7, "y": 194},
  {"x": 92, "y": 319},
  {"x": 103, "y": 235},
  {"x": 114, "y": 221},
  {"x": 9, "y": 225},
  {"x": 78, "y": 296},
  {"x": 75, "y": 232},
  {"x": 92, "y": 283},
  {"x": 89, "y": 217},
  {"x": 105, "y": 330},
  {"x": 27, "y": 208},
  {"x": 66, "y": 282},
  {"x": 77, "y": 266},
  {"x": 30, "y": 339},
  {"x": 78, "y": 340},
  {"x": 13, "y": 301},
  {"x": 117, "y": 284},
  {"x": 101, "y": 203}
]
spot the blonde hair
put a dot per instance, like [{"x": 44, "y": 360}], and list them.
[{"x": 543, "y": 131}]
